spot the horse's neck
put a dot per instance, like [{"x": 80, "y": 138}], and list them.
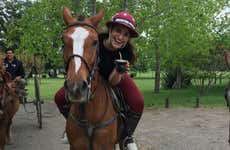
[{"x": 98, "y": 81}]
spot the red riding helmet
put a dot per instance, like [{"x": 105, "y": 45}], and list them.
[{"x": 126, "y": 19}]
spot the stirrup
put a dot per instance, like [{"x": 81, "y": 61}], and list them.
[{"x": 129, "y": 143}]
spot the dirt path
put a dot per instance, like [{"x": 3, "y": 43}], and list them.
[{"x": 160, "y": 129}]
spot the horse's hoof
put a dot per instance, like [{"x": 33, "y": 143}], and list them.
[{"x": 9, "y": 142}]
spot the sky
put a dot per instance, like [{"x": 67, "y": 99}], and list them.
[{"x": 225, "y": 11}]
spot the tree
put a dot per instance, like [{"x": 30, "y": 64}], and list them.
[
  {"x": 10, "y": 11},
  {"x": 41, "y": 27},
  {"x": 176, "y": 31}
]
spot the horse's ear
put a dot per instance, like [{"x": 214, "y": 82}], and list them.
[
  {"x": 67, "y": 16},
  {"x": 98, "y": 17}
]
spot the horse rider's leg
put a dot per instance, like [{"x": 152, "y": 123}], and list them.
[
  {"x": 64, "y": 108},
  {"x": 9, "y": 139},
  {"x": 61, "y": 102},
  {"x": 135, "y": 100}
]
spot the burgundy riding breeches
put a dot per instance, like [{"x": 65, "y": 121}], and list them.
[{"x": 132, "y": 95}]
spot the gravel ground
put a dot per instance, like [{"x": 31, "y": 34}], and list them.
[{"x": 159, "y": 129}]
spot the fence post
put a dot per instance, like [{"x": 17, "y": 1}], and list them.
[
  {"x": 167, "y": 102},
  {"x": 197, "y": 102}
]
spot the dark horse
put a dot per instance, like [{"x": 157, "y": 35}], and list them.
[
  {"x": 9, "y": 106},
  {"x": 92, "y": 123}
]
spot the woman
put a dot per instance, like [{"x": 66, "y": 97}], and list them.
[{"x": 115, "y": 44}]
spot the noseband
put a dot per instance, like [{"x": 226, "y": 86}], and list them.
[{"x": 90, "y": 71}]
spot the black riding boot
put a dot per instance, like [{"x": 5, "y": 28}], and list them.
[{"x": 132, "y": 119}]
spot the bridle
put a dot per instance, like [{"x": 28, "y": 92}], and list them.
[{"x": 90, "y": 71}]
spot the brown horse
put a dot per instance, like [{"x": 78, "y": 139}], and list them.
[
  {"x": 92, "y": 123},
  {"x": 9, "y": 105}
]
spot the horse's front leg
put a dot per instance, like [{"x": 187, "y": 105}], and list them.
[
  {"x": 71, "y": 147},
  {"x": 2, "y": 136},
  {"x": 9, "y": 139}
]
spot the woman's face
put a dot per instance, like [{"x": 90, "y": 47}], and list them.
[{"x": 119, "y": 36}]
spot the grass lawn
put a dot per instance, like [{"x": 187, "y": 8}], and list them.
[
  {"x": 48, "y": 88},
  {"x": 181, "y": 97},
  {"x": 178, "y": 97}
]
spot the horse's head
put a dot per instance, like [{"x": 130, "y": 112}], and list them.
[
  {"x": 80, "y": 39},
  {"x": 4, "y": 76},
  {"x": 2, "y": 69}
]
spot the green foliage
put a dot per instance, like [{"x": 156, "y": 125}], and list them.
[
  {"x": 170, "y": 79},
  {"x": 10, "y": 12},
  {"x": 41, "y": 28}
]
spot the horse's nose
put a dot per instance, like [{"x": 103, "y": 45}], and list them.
[
  {"x": 82, "y": 85},
  {"x": 76, "y": 88}
]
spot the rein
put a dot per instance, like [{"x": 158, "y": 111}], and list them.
[{"x": 82, "y": 120}]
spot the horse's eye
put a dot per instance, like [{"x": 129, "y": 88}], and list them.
[{"x": 94, "y": 43}]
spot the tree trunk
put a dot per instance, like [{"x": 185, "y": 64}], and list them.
[
  {"x": 220, "y": 78},
  {"x": 202, "y": 87},
  {"x": 215, "y": 78},
  {"x": 178, "y": 83},
  {"x": 157, "y": 55},
  {"x": 124, "y": 5},
  {"x": 157, "y": 73}
]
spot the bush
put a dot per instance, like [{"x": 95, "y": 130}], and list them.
[{"x": 170, "y": 79}]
